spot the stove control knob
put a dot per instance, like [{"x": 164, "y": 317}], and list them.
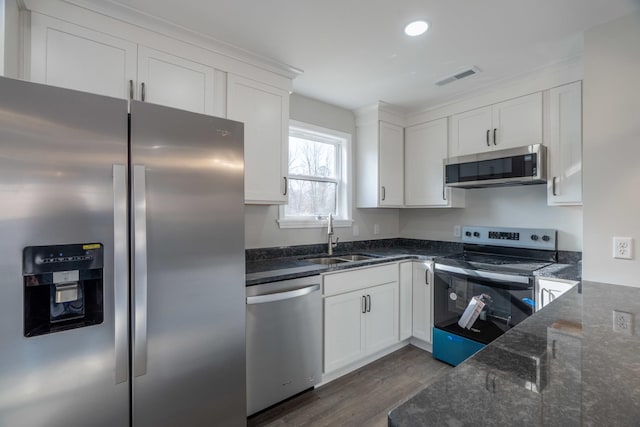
[
  {"x": 546, "y": 238},
  {"x": 476, "y": 234},
  {"x": 534, "y": 237},
  {"x": 467, "y": 233}
]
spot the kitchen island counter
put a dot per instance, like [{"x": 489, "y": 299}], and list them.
[{"x": 562, "y": 366}]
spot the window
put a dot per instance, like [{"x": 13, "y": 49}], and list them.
[{"x": 318, "y": 177}]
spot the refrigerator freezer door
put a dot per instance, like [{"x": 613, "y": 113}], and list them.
[
  {"x": 189, "y": 334},
  {"x": 58, "y": 149}
]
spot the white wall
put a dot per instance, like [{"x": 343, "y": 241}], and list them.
[
  {"x": 261, "y": 229},
  {"x": 612, "y": 148},
  {"x": 506, "y": 207}
]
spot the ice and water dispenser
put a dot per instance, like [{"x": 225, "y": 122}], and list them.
[{"x": 62, "y": 287}]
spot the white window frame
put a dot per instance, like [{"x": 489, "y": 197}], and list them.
[{"x": 344, "y": 190}]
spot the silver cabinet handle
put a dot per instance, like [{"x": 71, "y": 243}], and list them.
[
  {"x": 280, "y": 296},
  {"x": 488, "y": 131},
  {"x": 426, "y": 277},
  {"x": 384, "y": 193},
  {"x": 143, "y": 92},
  {"x": 120, "y": 273},
  {"x": 542, "y": 291},
  {"x": 444, "y": 192},
  {"x": 553, "y": 186},
  {"x": 130, "y": 90},
  {"x": 140, "y": 270},
  {"x": 369, "y": 303},
  {"x": 286, "y": 185},
  {"x": 494, "y": 136},
  {"x": 364, "y": 304}
]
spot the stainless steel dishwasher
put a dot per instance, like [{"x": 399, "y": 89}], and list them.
[{"x": 284, "y": 340}]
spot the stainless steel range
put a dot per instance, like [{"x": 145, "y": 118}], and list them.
[{"x": 487, "y": 289}]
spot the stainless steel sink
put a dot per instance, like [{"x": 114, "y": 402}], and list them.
[
  {"x": 337, "y": 259},
  {"x": 325, "y": 260},
  {"x": 355, "y": 257}
]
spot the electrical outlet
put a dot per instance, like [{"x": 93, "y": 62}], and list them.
[
  {"x": 356, "y": 230},
  {"x": 622, "y": 322},
  {"x": 376, "y": 228},
  {"x": 456, "y": 231},
  {"x": 623, "y": 247}
]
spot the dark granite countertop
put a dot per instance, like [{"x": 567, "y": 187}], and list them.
[
  {"x": 274, "y": 264},
  {"x": 275, "y": 269},
  {"x": 563, "y": 366}
]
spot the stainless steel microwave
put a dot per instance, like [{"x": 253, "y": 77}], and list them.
[{"x": 513, "y": 166}]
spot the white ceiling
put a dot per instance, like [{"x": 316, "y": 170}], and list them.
[{"x": 354, "y": 53}]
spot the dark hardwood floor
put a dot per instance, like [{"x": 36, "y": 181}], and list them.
[{"x": 361, "y": 398}]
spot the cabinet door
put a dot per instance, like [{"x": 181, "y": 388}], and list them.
[
  {"x": 565, "y": 145},
  {"x": 381, "y": 319},
  {"x": 548, "y": 290},
  {"x": 422, "y": 288},
  {"x": 391, "y": 165},
  {"x": 469, "y": 132},
  {"x": 425, "y": 148},
  {"x": 517, "y": 122},
  {"x": 74, "y": 57},
  {"x": 175, "y": 82},
  {"x": 406, "y": 291},
  {"x": 264, "y": 110},
  {"x": 343, "y": 331}
]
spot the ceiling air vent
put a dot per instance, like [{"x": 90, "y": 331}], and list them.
[{"x": 461, "y": 75}]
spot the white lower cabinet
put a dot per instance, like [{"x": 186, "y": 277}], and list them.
[
  {"x": 548, "y": 290},
  {"x": 361, "y": 322},
  {"x": 422, "y": 300},
  {"x": 343, "y": 330},
  {"x": 406, "y": 291}
]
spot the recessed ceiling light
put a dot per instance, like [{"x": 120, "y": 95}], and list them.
[{"x": 416, "y": 28}]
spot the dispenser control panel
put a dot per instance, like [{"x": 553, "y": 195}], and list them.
[{"x": 63, "y": 287}]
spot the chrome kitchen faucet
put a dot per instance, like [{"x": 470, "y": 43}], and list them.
[{"x": 330, "y": 243}]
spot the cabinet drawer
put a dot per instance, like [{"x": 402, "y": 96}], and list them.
[{"x": 351, "y": 280}]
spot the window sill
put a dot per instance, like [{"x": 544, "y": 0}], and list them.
[{"x": 312, "y": 223}]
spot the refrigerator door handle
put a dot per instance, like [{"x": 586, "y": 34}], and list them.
[
  {"x": 140, "y": 270},
  {"x": 120, "y": 273}
]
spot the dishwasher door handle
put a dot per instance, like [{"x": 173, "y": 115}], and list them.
[{"x": 279, "y": 296}]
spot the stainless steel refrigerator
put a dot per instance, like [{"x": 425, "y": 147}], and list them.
[{"x": 121, "y": 263}]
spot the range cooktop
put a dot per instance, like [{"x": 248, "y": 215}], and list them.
[
  {"x": 518, "y": 251},
  {"x": 494, "y": 262}
]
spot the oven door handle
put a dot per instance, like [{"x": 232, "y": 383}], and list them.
[{"x": 499, "y": 277}]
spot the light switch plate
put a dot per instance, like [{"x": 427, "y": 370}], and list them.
[{"x": 456, "y": 231}]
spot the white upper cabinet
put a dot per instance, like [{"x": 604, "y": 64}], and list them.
[
  {"x": 175, "y": 82},
  {"x": 379, "y": 158},
  {"x": 565, "y": 145},
  {"x": 391, "y": 161},
  {"x": 264, "y": 110},
  {"x": 508, "y": 124},
  {"x": 74, "y": 57},
  {"x": 425, "y": 148}
]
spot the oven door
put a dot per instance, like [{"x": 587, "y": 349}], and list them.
[{"x": 512, "y": 299}]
